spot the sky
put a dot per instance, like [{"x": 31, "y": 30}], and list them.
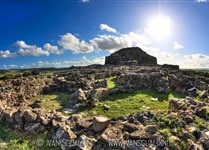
[{"x": 62, "y": 33}]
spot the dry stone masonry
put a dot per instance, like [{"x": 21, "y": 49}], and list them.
[
  {"x": 89, "y": 86},
  {"x": 130, "y": 56}
]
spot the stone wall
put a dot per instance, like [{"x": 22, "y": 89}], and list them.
[{"x": 99, "y": 131}]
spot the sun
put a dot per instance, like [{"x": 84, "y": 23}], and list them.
[{"x": 159, "y": 27}]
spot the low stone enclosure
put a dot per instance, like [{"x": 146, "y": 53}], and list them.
[{"x": 89, "y": 86}]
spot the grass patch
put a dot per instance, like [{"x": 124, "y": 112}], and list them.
[
  {"x": 13, "y": 140},
  {"x": 111, "y": 82},
  {"x": 124, "y": 104},
  {"x": 55, "y": 100}
]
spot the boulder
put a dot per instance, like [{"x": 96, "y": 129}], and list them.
[
  {"x": 8, "y": 115},
  {"x": 84, "y": 123},
  {"x": 112, "y": 134},
  {"x": 190, "y": 101},
  {"x": 100, "y": 123},
  {"x": 130, "y": 127},
  {"x": 177, "y": 104},
  {"x": 193, "y": 92},
  {"x": 139, "y": 135},
  {"x": 64, "y": 132},
  {"x": 151, "y": 129},
  {"x": 34, "y": 128},
  {"x": 188, "y": 118},
  {"x": 78, "y": 96},
  {"x": 100, "y": 94},
  {"x": 201, "y": 112},
  {"x": 86, "y": 143},
  {"x": 30, "y": 116}
]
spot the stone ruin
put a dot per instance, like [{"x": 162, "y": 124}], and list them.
[
  {"x": 87, "y": 87},
  {"x": 130, "y": 56}
]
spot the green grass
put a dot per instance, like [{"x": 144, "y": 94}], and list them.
[
  {"x": 55, "y": 100},
  {"x": 111, "y": 82},
  {"x": 13, "y": 140},
  {"x": 124, "y": 104}
]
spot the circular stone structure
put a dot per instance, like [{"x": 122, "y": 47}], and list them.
[{"x": 130, "y": 56}]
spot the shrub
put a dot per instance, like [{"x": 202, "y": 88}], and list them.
[
  {"x": 35, "y": 72},
  {"x": 26, "y": 74},
  {"x": 10, "y": 76}
]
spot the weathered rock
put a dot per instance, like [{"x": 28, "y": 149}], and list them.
[
  {"x": 64, "y": 133},
  {"x": 130, "y": 127},
  {"x": 100, "y": 94},
  {"x": 78, "y": 96},
  {"x": 112, "y": 134},
  {"x": 201, "y": 112},
  {"x": 8, "y": 115},
  {"x": 45, "y": 121},
  {"x": 85, "y": 143},
  {"x": 151, "y": 129},
  {"x": 190, "y": 101},
  {"x": 34, "y": 128},
  {"x": 204, "y": 140},
  {"x": 100, "y": 123},
  {"x": 193, "y": 146},
  {"x": 188, "y": 119},
  {"x": 193, "y": 92},
  {"x": 29, "y": 116},
  {"x": 139, "y": 135},
  {"x": 177, "y": 104},
  {"x": 84, "y": 123}
]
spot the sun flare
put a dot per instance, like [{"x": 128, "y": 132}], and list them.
[{"x": 160, "y": 27}]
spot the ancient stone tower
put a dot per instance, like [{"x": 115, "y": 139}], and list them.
[{"x": 130, "y": 56}]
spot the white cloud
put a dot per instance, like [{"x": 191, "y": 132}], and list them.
[
  {"x": 70, "y": 42},
  {"x": 59, "y": 64},
  {"x": 113, "y": 43},
  {"x": 196, "y": 61},
  {"x": 6, "y": 54},
  {"x": 52, "y": 49},
  {"x": 176, "y": 45},
  {"x": 166, "y": 55},
  {"x": 186, "y": 61},
  {"x": 109, "y": 42},
  {"x": 105, "y": 27},
  {"x": 30, "y": 50},
  {"x": 201, "y": 1},
  {"x": 13, "y": 66}
]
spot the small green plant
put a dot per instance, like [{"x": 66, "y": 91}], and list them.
[
  {"x": 167, "y": 133},
  {"x": 201, "y": 124},
  {"x": 183, "y": 145},
  {"x": 35, "y": 72},
  {"x": 26, "y": 73}
]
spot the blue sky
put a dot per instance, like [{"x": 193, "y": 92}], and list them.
[{"x": 61, "y": 33}]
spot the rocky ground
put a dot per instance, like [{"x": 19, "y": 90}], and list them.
[{"x": 173, "y": 123}]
